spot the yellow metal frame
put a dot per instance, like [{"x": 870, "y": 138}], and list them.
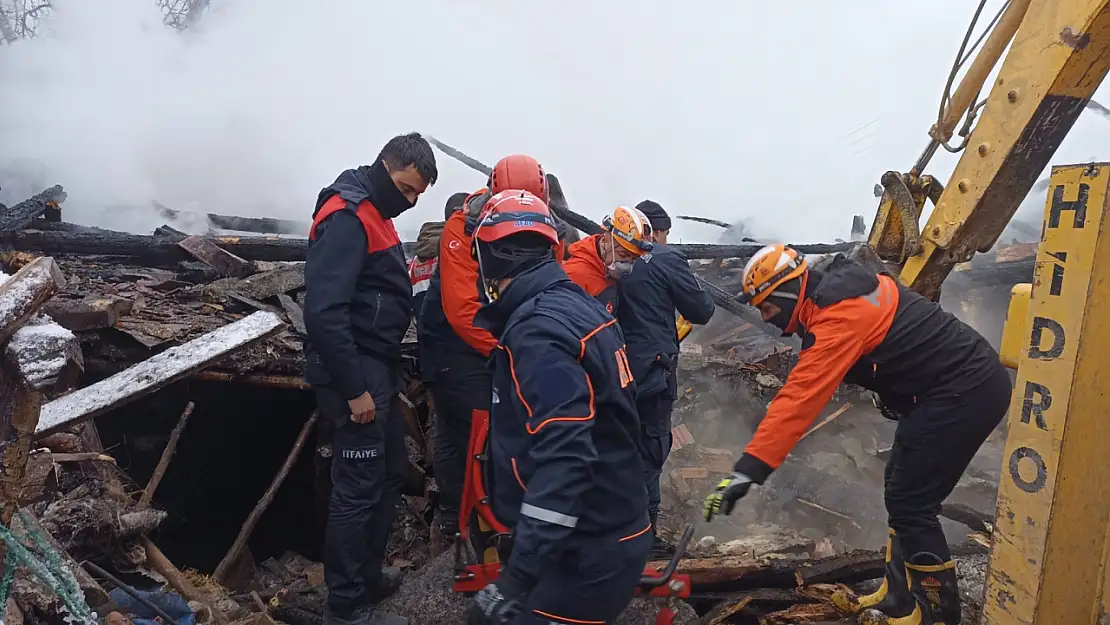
[
  {"x": 1015, "y": 331},
  {"x": 1050, "y": 533},
  {"x": 1059, "y": 56}
]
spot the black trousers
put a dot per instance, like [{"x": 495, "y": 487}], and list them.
[
  {"x": 933, "y": 445},
  {"x": 458, "y": 391},
  {"x": 369, "y": 463},
  {"x": 655, "y": 431},
  {"x": 592, "y": 583},
  {"x": 655, "y": 442}
]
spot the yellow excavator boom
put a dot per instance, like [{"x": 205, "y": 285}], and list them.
[{"x": 1058, "y": 57}]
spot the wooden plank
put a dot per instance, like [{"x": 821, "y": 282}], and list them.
[
  {"x": 827, "y": 420},
  {"x": 223, "y": 261},
  {"x": 223, "y": 568},
  {"x": 23, "y": 294},
  {"x": 694, "y": 473},
  {"x": 20, "y": 408},
  {"x": 90, "y": 313},
  {"x": 848, "y": 568},
  {"x": 295, "y": 313},
  {"x": 156, "y": 372}
]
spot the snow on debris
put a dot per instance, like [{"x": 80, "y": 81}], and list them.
[
  {"x": 156, "y": 371},
  {"x": 16, "y": 299},
  {"x": 40, "y": 348}
]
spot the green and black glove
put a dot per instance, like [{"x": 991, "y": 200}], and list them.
[{"x": 729, "y": 490}]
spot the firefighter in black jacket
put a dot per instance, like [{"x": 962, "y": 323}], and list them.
[
  {"x": 939, "y": 378},
  {"x": 358, "y": 304},
  {"x": 660, "y": 283},
  {"x": 566, "y": 474}
]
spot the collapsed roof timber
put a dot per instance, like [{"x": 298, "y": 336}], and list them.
[{"x": 124, "y": 316}]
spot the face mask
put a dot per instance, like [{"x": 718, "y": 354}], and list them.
[
  {"x": 617, "y": 269},
  {"x": 781, "y": 320},
  {"x": 388, "y": 199},
  {"x": 620, "y": 269}
]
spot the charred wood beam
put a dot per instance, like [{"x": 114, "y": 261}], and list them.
[
  {"x": 151, "y": 251},
  {"x": 985, "y": 274},
  {"x": 18, "y": 216},
  {"x": 216, "y": 257},
  {"x": 156, "y": 372},
  {"x": 714, "y": 250},
  {"x": 163, "y": 251},
  {"x": 261, "y": 225}
]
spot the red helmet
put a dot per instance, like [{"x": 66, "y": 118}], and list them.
[
  {"x": 519, "y": 171},
  {"x": 513, "y": 212}
]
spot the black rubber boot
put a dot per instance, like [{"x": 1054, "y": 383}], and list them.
[
  {"x": 935, "y": 585},
  {"x": 388, "y": 584},
  {"x": 660, "y": 549},
  {"x": 893, "y": 598}
]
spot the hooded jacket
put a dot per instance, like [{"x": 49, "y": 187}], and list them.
[
  {"x": 588, "y": 270},
  {"x": 358, "y": 299},
  {"x": 563, "y": 425},
  {"x": 869, "y": 330},
  {"x": 446, "y": 318}
]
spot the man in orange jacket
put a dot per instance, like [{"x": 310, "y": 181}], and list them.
[
  {"x": 596, "y": 262},
  {"x": 457, "y": 350},
  {"x": 936, "y": 376}
]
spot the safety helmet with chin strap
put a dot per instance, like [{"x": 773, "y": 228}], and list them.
[
  {"x": 630, "y": 229},
  {"x": 770, "y": 268},
  {"x": 514, "y": 230}
]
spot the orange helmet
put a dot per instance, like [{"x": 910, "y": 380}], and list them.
[
  {"x": 513, "y": 212},
  {"x": 630, "y": 228},
  {"x": 519, "y": 171},
  {"x": 770, "y": 268}
]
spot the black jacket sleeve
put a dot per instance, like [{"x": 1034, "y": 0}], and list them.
[
  {"x": 331, "y": 272},
  {"x": 691, "y": 300},
  {"x": 558, "y": 394}
]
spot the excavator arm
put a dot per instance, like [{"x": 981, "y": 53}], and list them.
[{"x": 1059, "y": 54}]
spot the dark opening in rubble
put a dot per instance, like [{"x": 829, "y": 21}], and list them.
[{"x": 236, "y": 440}]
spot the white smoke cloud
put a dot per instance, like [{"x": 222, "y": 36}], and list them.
[{"x": 778, "y": 116}]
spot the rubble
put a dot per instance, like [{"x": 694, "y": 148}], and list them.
[{"x": 137, "y": 313}]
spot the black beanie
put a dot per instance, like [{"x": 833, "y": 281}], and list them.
[
  {"x": 454, "y": 203},
  {"x": 658, "y": 217}
]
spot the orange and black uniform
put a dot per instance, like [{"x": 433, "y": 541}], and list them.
[
  {"x": 942, "y": 377},
  {"x": 586, "y": 268},
  {"x": 457, "y": 352},
  {"x": 358, "y": 304}
]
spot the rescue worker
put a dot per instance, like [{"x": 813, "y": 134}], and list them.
[
  {"x": 422, "y": 268},
  {"x": 939, "y": 378},
  {"x": 598, "y": 261},
  {"x": 358, "y": 304},
  {"x": 566, "y": 474},
  {"x": 457, "y": 350},
  {"x": 660, "y": 282}
]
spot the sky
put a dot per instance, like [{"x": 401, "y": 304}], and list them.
[{"x": 780, "y": 115}]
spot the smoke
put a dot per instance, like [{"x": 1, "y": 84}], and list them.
[{"x": 710, "y": 111}]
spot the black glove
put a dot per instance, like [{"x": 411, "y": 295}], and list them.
[
  {"x": 728, "y": 492},
  {"x": 884, "y": 409},
  {"x": 500, "y": 602}
]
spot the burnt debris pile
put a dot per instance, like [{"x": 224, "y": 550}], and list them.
[{"x": 160, "y": 446}]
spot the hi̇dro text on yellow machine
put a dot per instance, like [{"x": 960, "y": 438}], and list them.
[{"x": 1049, "y": 558}]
